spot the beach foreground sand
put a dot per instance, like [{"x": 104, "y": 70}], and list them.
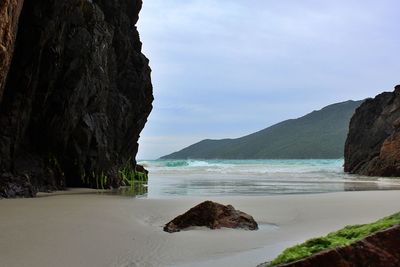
[{"x": 76, "y": 229}]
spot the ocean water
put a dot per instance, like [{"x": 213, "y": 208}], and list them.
[{"x": 180, "y": 178}]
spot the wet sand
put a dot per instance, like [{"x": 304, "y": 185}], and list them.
[{"x": 76, "y": 228}]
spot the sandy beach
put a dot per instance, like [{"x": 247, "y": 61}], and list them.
[{"x": 75, "y": 228}]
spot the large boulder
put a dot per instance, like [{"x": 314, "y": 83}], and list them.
[
  {"x": 373, "y": 142},
  {"x": 378, "y": 250},
  {"x": 212, "y": 215}
]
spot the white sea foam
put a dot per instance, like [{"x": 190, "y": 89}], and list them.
[{"x": 255, "y": 177}]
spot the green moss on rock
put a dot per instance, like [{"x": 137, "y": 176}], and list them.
[{"x": 343, "y": 237}]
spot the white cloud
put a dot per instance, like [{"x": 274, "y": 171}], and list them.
[{"x": 225, "y": 64}]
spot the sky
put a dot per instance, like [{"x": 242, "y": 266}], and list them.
[{"x": 227, "y": 68}]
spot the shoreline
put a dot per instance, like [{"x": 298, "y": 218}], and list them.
[{"x": 80, "y": 228}]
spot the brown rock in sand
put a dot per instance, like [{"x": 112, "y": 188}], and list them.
[{"x": 212, "y": 215}]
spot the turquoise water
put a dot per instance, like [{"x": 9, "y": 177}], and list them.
[{"x": 179, "y": 178}]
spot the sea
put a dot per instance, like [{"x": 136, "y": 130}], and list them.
[{"x": 197, "y": 178}]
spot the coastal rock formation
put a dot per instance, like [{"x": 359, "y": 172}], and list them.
[
  {"x": 77, "y": 95},
  {"x": 212, "y": 215},
  {"x": 378, "y": 250},
  {"x": 373, "y": 143}
]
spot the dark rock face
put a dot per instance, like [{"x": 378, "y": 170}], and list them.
[
  {"x": 373, "y": 143},
  {"x": 15, "y": 186},
  {"x": 212, "y": 215},
  {"x": 78, "y": 93},
  {"x": 378, "y": 250}
]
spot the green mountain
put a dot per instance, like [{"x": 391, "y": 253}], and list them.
[{"x": 318, "y": 135}]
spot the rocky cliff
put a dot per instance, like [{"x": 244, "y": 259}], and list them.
[
  {"x": 77, "y": 93},
  {"x": 373, "y": 142},
  {"x": 378, "y": 250}
]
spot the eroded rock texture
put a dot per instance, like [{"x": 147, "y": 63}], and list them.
[
  {"x": 373, "y": 143},
  {"x": 77, "y": 96},
  {"x": 212, "y": 215},
  {"x": 378, "y": 250},
  {"x": 9, "y": 15}
]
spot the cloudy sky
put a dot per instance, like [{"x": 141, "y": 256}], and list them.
[{"x": 226, "y": 68}]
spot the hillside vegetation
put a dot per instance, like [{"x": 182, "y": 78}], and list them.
[{"x": 319, "y": 134}]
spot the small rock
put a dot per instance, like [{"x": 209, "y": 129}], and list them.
[
  {"x": 212, "y": 215},
  {"x": 140, "y": 168}
]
